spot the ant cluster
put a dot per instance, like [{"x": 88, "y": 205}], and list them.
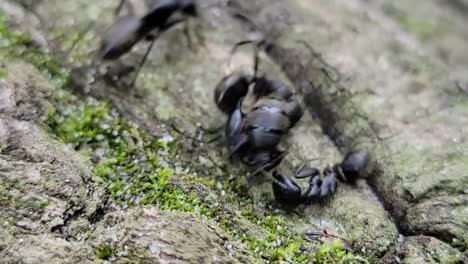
[
  {"x": 258, "y": 118},
  {"x": 260, "y": 110}
]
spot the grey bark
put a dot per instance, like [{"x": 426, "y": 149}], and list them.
[{"x": 382, "y": 77}]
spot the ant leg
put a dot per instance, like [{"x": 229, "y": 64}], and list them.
[
  {"x": 256, "y": 62},
  {"x": 216, "y": 133},
  {"x": 142, "y": 62},
  {"x": 268, "y": 164},
  {"x": 187, "y": 34},
  {"x": 261, "y": 169},
  {"x": 119, "y": 8},
  {"x": 331, "y": 72},
  {"x": 242, "y": 142},
  {"x": 252, "y": 27},
  {"x": 193, "y": 30},
  {"x": 199, "y": 35},
  {"x": 213, "y": 129},
  {"x": 153, "y": 40},
  {"x": 216, "y": 138},
  {"x": 305, "y": 172},
  {"x": 235, "y": 47}
]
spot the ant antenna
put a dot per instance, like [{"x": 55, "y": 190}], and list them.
[
  {"x": 150, "y": 47},
  {"x": 317, "y": 55},
  {"x": 128, "y": 5},
  {"x": 304, "y": 163},
  {"x": 256, "y": 55},
  {"x": 256, "y": 38},
  {"x": 119, "y": 7}
]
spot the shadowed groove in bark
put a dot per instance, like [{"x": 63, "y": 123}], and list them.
[
  {"x": 325, "y": 98},
  {"x": 460, "y": 6},
  {"x": 347, "y": 124},
  {"x": 322, "y": 95},
  {"x": 331, "y": 105}
]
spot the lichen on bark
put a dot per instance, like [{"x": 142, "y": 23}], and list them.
[{"x": 144, "y": 148}]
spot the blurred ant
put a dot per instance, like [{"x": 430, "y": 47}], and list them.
[
  {"x": 143, "y": 22},
  {"x": 128, "y": 30}
]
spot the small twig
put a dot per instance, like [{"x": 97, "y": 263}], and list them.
[{"x": 315, "y": 236}]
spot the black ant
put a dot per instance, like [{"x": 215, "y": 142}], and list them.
[
  {"x": 128, "y": 30},
  {"x": 289, "y": 194}
]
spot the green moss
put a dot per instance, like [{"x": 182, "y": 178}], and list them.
[
  {"x": 270, "y": 236},
  {"x": 11, "y": 197},
  {"x": 8, "y": 184},
  {"x": 5, "y": 198},
  {"x": 461, "y": 105},
  {"x": 193, "y": 179},
  {"x": 279, "y": 243},
  {"x": 462, "y": 245},
  {"x": 17, "y": 45},
  {"x": 334, "y": 253},
  {"x": 13, "y": 202},
  {"x": 44, "y": 204},
  {"x": 104, "y": 251},
  {"x": 411, "y": 23},
  {"x": 3, "y": 74},
  {"x": 421, "y": 28},
  {"x": 31, "y": 204},
  {"x": 131, "y": 166}
]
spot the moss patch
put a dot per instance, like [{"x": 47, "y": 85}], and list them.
[
  {"x": 333, "y": 252},
  {"x": 17, "y": 45},
  {"x": 104, "y": 251},
  {"x": 134, "y": 167},
  {"x": 422, "y": 29},
  {"x": 3, "y": 74}
]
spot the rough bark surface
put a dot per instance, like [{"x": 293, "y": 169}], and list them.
[
  {"x": 48, "y": 192},
  {"x": 149, "y": 235},
  {"x": 377, "y": 75},
  {"x": 402, "y": 100}
]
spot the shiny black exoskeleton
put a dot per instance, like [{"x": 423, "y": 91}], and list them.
[
  {"x": 128, "y": 30},
  {"x": 261, "y": 111},
  {"x": 352, "y": 166},
  {"x": 288, "y": 193},
  {"x": 321, "y": 187}
]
